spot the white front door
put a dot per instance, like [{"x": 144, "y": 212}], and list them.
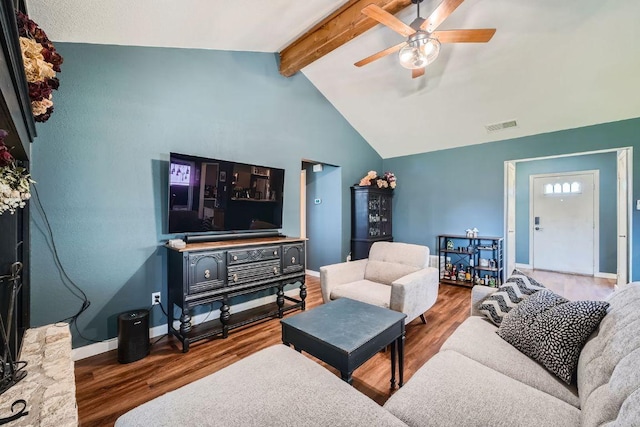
[{"x": 563, "y": 222}]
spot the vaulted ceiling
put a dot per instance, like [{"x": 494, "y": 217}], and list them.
[{"x": 550, "y": 66}]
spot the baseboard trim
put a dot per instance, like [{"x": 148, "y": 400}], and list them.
[
  {"x": 605, "y": 275},
  {"x": 156, "y": 331},
  {"x": 312, "y": 273},
  {"x": 524, "y": 266},
  {"x": 598, "y": 274},
  {"x": 95, "y": 349}
]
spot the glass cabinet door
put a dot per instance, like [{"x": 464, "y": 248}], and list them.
[{"x": 374, "y": 215}]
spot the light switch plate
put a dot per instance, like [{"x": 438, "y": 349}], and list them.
[{"x": 638, "y": 205}]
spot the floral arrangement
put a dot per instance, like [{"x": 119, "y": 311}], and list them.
[
  {"x": 388, "y": 180},
  {"x": 14, "y": 180},
  {"x": 41, "y": 62}
]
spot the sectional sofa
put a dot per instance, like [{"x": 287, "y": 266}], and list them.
[{"x": 476, "y": 379}]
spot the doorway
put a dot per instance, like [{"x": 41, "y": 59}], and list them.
[
  {"x": 564, "y": 222},
  {"x": 322, "y": 199},
  {"x": 622, "y": 270}
]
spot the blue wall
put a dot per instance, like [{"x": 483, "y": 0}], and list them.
[
  {"x": 606, "y": 163},
  {"x": 101, "y": 160},
  {"x": 451, "y": 190},
  {"x": 323, "y": 229}
]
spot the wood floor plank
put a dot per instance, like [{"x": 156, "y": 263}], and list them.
[{"x": 105, "y": 389}]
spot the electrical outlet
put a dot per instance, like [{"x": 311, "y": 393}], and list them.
[{"x": 155, "y": 298}]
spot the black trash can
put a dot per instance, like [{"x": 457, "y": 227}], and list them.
[{"x": 133, "y": 336}]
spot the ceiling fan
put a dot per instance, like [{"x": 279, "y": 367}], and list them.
[{"x": 423, "y": 41}]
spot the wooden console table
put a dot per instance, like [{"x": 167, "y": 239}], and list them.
[{"x": 202, "y": 273}]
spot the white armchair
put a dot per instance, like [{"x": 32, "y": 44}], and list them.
[{"x": 395, "y": 276}]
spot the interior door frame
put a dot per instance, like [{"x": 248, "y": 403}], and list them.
[
  {"x": 625, "y": 217},
  {"x": 596, "y": 213},
  {"x": 510, "y": 214},
  {"x": 624, "y": 179}
]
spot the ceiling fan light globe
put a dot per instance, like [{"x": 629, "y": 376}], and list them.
[
  {"x": 407, "y": 56},
  {"x": 420, "y": 51}
]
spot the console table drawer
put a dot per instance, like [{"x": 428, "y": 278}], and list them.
[
  {"x": 292, "y": 258},
  {"x": 206, "y": 272},
  {"x": 253, "y": 272},
  {"x": 252, "y": 255}
]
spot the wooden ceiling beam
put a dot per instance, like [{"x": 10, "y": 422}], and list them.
[{"x": 341, "y": 26}]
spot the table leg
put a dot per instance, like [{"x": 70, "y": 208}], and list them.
[
  {"x": 303, "y": 295},
  {"x": 346, "y": 377},
  {"x": 224, "y": 317},
  {"x": 280, "y": 301},
  {"x": 393, "y": 364},
  {"x": 185, "y": 322},
  {"x": 401, "y": 359}
]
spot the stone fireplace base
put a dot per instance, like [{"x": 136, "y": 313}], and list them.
[{"x": 49, "y": 387}]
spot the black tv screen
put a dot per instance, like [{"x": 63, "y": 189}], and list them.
[{"x": 210, "y": 195}]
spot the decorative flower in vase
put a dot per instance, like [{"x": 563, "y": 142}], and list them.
[
  {"x": 388, "y": 180},
  {"x": 41, "y": 62},
  {"x": 15, "y": 181}
]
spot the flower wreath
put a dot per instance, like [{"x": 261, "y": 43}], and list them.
[
  {"x": 41, "y": 62},
  {"x": 15, "y": 181}
]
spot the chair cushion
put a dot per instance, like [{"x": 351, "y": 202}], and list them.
[
  {"x": 365, "y": 291},
  {"x": 387, "y": 272},
  {"x": 400, "y": 253}
]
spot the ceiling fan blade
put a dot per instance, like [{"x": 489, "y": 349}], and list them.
[
  {"x": 441, "y": 13},
  {"x": 381, "y": 54},
  {"x": 481, "y": 35},
  {"x": 385, "y": 18},
  {"x": 418, "y": 72}
]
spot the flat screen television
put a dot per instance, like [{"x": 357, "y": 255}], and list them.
[{"x": 219, "y": 196}]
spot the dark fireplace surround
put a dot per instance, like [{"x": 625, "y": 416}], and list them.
[
  {"x": 16, "y": 118},
  {"x": 14, "y": 248}
]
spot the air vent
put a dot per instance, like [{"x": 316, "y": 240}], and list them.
[{"x": 500, "y": 126}]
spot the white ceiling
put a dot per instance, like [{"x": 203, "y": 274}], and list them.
[{"x": 552, "y": 64}]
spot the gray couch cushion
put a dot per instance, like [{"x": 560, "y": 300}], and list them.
[
  {"x": 366, "y": 291},
  {"x": 476, "y": 338},
  {"x": 608, "y": 368},
  {"x": 275, "y": 387},
  {"x": 453, "y": 390},
  {"x": 629, "y": 414}
]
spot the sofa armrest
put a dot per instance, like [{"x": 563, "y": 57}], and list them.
[
  {"x": 478, "y": 293},
  {"x": 415, "y": 293},
  {"x": 339, "y": 274}
]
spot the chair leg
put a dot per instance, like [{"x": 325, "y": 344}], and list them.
[{"x": 423, "y": 319}]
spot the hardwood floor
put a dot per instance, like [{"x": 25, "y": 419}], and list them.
[
  {"x": 106, "y": 389},
  {"x": 574, "y": 286}
]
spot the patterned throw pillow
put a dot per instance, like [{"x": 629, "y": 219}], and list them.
[
  {"x": 552, "y": 330},
  {"x": 515, "y": 289}
]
